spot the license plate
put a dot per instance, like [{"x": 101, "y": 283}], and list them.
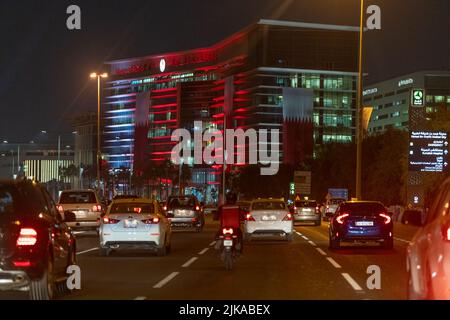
[
  {"x": 364, "y": 223},
  {"x": 269, "y": 218},
  {"x": 130, "y": 224},
  {"x": 227, "y": 243}
]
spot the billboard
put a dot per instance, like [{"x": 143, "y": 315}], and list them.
[{"x": 428, "y": 151}]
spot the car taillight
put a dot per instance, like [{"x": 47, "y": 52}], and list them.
[
  {"x": 295, "y": 208},
  {"x": 386, "y": 217},
  {"x": 27, "y": 237},
  {"x": 97, "y": 208},
  {"x": 165, "y": 208},
  {"x": 60, "y": 208},
  {"x": 107, "y": 220},
  {"x": 249, "y": 217},
  {"x": 340, "y": 218},
  {"x": 288, "y": 217},
  {"x": 22, "y": 264},
  {"x": 227, "y": 231},
  {"x": 197, "y": 208},
  {"x": 317, "y": 209},
  {"x": 446, "y": 232},
  {"x": 154, "y": 220},
  {"x": 328, "y": 207}
]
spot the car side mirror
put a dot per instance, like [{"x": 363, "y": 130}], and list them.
[
  {"x": 215, "y": 214},
  {"x": 413, "y": 218},
  {"x": 69, "y": 216}
]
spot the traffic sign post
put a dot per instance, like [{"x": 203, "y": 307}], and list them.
[{"x": 292, "y": 188}]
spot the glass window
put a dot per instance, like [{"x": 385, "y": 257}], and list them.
[
  {"x": 268, "y": 205},
  {"x": 132, "y": 208},
  {"x": 77, "y": 197},
  {"x": 362, "y": 209}
]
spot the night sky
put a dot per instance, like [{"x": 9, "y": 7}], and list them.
[{"x": 44, "y": 67}]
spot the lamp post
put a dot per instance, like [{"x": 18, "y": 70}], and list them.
[
  {"x": 98, "y": 76},
  {"x": 359, "y": 135}
]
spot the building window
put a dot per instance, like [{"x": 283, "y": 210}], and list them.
[
  {"x": 439, "y": 99},
  {"x": 395, "y": 114}
]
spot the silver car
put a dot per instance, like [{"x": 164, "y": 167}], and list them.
[{"x": 307, "y": 211}]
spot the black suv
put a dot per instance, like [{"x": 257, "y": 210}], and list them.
[
  {"x": 185, "y": 212},
  {"x": 36, "y": 246}
]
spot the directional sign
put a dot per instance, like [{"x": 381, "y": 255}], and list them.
[
  {"x": 418, "y": 97},
  {"x": 428, "y": 151},
  {"x": 292, "y": 188}
]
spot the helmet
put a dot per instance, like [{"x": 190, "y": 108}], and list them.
[{"x": 231, "y": 197}]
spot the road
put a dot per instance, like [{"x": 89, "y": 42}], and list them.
[{"x": 269, "y": 269}]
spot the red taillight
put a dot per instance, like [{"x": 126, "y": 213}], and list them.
[
  {"x": 97, "y": 208},
  {"x": 249, "y": 217},
  {"x": 60, "y": 208},
  {"x": 387, "y": 218},
  {"x": 328, "y": 207},
  {"x": 288, "y": 217},
  {"x": 27, "y": 237},
  {"x": 227, "y": 231},
  {"x": 154, "y": 220},
  {"x": 446, "y": 232},
  {"x": 165, "y": 208},
  {"x": 197, "y": 208},
  {"x": 295, "y": 208},
  {"x": 317, "y": 210},
  {"x": 340, "y": 218},
  {"x": 107, "y": 220},
  {"x": 22, "y": 264}
]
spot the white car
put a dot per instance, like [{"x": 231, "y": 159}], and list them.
[
  {"x": 268, "y": 217},
  {"x": 85, "y": 204},
  {"x": 131, "y": 223},
  {"x": 331, "y": 207}
]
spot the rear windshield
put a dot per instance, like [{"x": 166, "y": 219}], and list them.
[
  {"x": 302, "y": 204},
  {"x": 182, "y": 202},
  {"x": 362, "y": 209},
  {"x": 268, "y": 205},
  {"x": 77, "y": 197},
  {"x": 132, "y": 208},
  {"x": 8, "y": 199}
]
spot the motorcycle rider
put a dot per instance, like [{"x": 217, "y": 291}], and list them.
[{"x": 230, "y": 216}]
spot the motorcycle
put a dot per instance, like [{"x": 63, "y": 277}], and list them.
[{"x": 228, "y": 244}]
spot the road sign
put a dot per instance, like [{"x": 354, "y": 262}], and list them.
[
  {"x": 302, "y": 180},
  {"x": 297, "y": 197},
  {"x": 418, "y": 97},
  {"x": 428, "y": 151},
  {"x": 292, "y": 188}
]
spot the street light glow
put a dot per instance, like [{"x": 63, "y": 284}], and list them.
[
  {"x": 93, "y": 75},
  {"x": 104, "y": 75}
]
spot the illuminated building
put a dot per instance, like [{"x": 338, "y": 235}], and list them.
[{"x": 296, "y": 77}]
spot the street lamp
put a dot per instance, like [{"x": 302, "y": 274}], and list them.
[
  {"x": 98, "y": 76},
  {"x": 359, "y": 108}
]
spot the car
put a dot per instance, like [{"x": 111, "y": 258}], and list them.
[
  {"x": 125, "y": 196},
  {"x": 361, "y": 221},
  {"x": 307, "y": 211},
  {"x": 36, "y": 245},
  {"x": 428, "y": 253},
  {"x": 85, "y": 204},
  {"x": 135, "y": 223},
  {"x": 331, "y": 207},
  {"x": 185, "y": 212},
  {"x": 268, "y": 217}
]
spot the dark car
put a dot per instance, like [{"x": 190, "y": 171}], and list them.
[
  {"x": 185, "y": 212},
  {"x": 361, "y": 221},
  {"x": 36, "y": 246}
]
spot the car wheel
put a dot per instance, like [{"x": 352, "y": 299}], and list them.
[
  {"x": 388, "y": 243},
  {"x": 411, "y": 294},
  {"x": 104, "y": 252},
  {"x": 335, "y": 243},
  {"x": 318, "y": 223},
  {"x": 43, "y": 288},
  {"x": 161, "y": 252}
]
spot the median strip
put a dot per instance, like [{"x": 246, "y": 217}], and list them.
[{"x": 166, "y": 280}]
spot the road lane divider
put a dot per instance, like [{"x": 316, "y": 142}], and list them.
[
  {"x": 334, "y": 263},
  {"x": 140, "y": 298},
  {"x": 212, "y": 243},
  {"x": 312, "y": 243},
  {"x": 305, "y": 238},
  {"x": 89, "y": 250},
  {"x": 189, "y": 262},
  {"x": 321, "y": 251},
  {"x": 402, "y": 240},
  {"x": 166, "y": 280},
  {"x": 352, "y": 282},
  {"x": 203, "y": 251},
  {"x": 298, "y": 233}
]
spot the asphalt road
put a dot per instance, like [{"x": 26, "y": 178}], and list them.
[{"x": 270, "y": 268}]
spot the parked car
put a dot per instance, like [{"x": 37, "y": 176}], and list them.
[
  {"x": 428, "y": 254},
  {"x": 268, "y": 217},
  {"x": 185, "y": 212},
  {"x": 307, "y": 211},
  {"x": 356, "y": 221},
  {"x": 85, "y": 204},
  {"x": 135, "y": 223},
  {"x": 36, "y": 245}
]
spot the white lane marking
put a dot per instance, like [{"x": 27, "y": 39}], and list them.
[
  {"x": 203, "y": 251},
  {"x": 78, "y": 232},
  {"x": 140, "y": 298},
  {"x": 298, "y": 233},
  {"x": 352, "y": 282},
  {"x": 212, "y": 243},
  {"x": 189, "y": 262},
  {"x": 334, "y": 263},
  {"x": 402, "y": 240},
  {"x": 89, "y": 250},
  {"x": 305, "y": 238},
  {"x": 321, "y": 251},
  {"x": 312, "y": 243},
  {"x": 164, "y": 281}
]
